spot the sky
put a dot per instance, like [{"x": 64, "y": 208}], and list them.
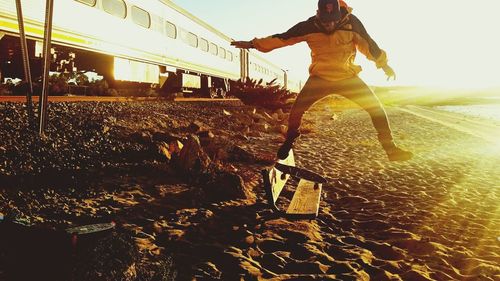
[{"x": 437, "y": 43}]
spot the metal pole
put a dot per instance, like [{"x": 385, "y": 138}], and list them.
[
  {"x": 26, "y": 62},
  {"x": 49, "y": 8}
]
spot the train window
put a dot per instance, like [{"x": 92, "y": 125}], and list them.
[
  {"x": 229, "y": 56},
  {"x": 116, "y": 8},
  {"x": 170, "y": 29},
  {"x": 140, "y": 17},
  {"x": 213, "y": 49},
  {"x": 192, "y": 39},
  {"x": 91, "y": 3},
  {"x": 204, "y": 44},
  {"x": 189, "y": 38},
  {"x": 222, "y": 53}
]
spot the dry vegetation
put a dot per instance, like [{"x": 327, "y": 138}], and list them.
[{"x": 266, "y": 95}]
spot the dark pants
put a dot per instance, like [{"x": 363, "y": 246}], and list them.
[{"x": 354, "y": 89}]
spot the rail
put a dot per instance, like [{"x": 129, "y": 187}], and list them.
[{"x": 108, "y": 99}]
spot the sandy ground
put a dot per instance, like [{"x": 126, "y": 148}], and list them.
[{"x": 435, "y": 217}]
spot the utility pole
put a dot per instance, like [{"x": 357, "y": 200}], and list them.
[
  {"x": 26, "y": 63},
  {"x": 47, "y": 38}
]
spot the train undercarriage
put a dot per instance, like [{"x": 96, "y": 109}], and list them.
[{"x": 82, "y": 72}]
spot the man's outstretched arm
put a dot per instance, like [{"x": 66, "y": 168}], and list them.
[
  {"x": 243, "y": 44},
  {"x": 367, "y": 46},
  {"x": 294, "y": 35}
]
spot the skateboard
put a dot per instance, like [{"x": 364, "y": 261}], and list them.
[
  {"x": 305, "y": 201},
  {"x": 91, "y": 228}
]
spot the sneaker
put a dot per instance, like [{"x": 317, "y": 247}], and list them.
[
  {"x": 397, "y": 154},
  {"x": 284, "y": 149}
]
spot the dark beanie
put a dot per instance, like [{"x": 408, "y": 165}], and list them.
[{"x": 329, "y": 10}]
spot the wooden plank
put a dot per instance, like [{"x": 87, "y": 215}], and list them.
[{"x": 305, "y": 201}]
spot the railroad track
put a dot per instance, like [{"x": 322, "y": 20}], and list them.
[
  {"x": 108, "y": 99},
  {"x": 479, "y": 128}
]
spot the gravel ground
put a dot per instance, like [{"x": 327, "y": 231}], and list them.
[{"x": 432, "y": 218}]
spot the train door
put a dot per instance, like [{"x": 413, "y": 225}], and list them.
[{"x": 244, "y": 64}]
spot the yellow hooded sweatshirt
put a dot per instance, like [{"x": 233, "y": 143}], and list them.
[{"x": 332, "y": 53}]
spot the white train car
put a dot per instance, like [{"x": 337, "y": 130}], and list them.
[
  {"x": 293, "y": 84},
  {"x": 260, "y": 68},
  {"x": 145, "y": 41}
]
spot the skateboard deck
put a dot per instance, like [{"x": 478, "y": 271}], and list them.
[
  {"x": 275, "y": 180},
  {"x": 305, "y": 201},
  {"x": 299, "y": 173}
]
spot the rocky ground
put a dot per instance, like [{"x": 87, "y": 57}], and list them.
[{"x": 182, "y": 183}]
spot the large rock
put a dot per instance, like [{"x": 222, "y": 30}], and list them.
[
  {"x": 257, "y": 117},
  {"x": 282, "y": 129},
  {"x": 260, "y": 127},
  {"x": 196, "y": 126},
  {"x": 170, "y": 150},
  {"x": 237, "y": 153},
  {"x": 165, "y": 136},
  {"x": 144, "y": 137},
  {"x": 276, "y": 117},
  {"x": 244, "y": 119},
  {"x": 280, "y": 113},
  {"x": 223, "y": 185},
  {"x": 192, "y": 160}
]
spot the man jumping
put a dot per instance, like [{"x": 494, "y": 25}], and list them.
[{"x": 334, "y": 36}]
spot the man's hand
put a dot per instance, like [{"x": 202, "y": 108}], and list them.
[
  {"x": 389, "y": 72},
  {"x": 242, "y": 44}
]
